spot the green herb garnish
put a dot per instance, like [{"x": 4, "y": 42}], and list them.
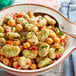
[
  {"x": 32, "y": 33},
  {"x": 57, "y": 29},
  {"x": 19, "y": 32},
  {"x": 25, "y": 38},
  {"x": 39, "y": 43},
  {"x": 44, "y": 46},
  {"x": 12, "y": 28},
  {"x": 22, "y": 36},
  {"x": 60, "y": 33}
]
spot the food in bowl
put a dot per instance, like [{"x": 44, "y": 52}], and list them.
[{"x": 30, "y": 42}]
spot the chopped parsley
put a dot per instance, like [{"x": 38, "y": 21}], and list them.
[
  {"x": 32, "y": 33},
  {"x": 60, "y": 33},
  {"x": 25, "y": 38},
  {"x": 22, "y": 36},
  {"x": 15, "y": 31},
  {"x": 19, "y": 32},
  {"x": 44, "y": 46},
  {"x": 57, "y": 29},
  {"x": 12, "y": 28},
  {"x": 39, "y": 43}
]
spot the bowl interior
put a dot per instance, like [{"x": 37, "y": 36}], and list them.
[{"x": 37, "y": 8}]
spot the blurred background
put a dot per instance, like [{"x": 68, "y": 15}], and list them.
[{"x": 68, "y": 9}]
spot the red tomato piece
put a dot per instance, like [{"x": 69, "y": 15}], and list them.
[
  {"x": 34, "y": 48},
  {"x": 9, "y": 42},
  {"x": 62, "y": 40},
  {"x": 14, "y": 17},
  {"x": 27, "y": 63},
  {"x": 58, "y": 55},
  {"x": 38, "y": 20},
  {"x": 20, "y": 15}
]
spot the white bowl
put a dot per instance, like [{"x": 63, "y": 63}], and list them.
[{"x": 70, "y": 45}]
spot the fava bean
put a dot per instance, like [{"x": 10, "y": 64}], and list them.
[
  {"x": 44, "y": 62},
  {"x": 10, "y": 51},
  {"x": 24, "y": 62}
]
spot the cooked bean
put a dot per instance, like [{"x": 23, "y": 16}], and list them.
[
  {"x": 1, "y": 35},
  {"x": 52, "y": 34},
  {"x": 12, "y": 35},
  {"x": 11, "y": 23},
  {"x": 7, "y": 28},
  {"x": 49, "y": 40},
  {"x": 44, "y": 49},
  {"x": 29, "y": 54},
  {"x": 44, "y": 62},
  {"x": 22, "y": 21},
  {"x": 30, "y": 14},
  {"x": 1, "y": 29},
  {"x": 2, "y": 41},
  {"x": 32, "y": 28},
  {"x": 56, "y": 40},
  {"x": 52, "y": 53},
  {"x": 10, "y": 51},
  {"x": 15, "y": 59},
  {"x": 31, "y": 38},
  {"x": 33, "y": 66},
  {"x": 15, "y": 64},
  {"x": 26, "y": 45},
  {"x": 19, "y": 27},
  {"x": 1, "y": 22},
  {"x": 24, "y": 62},
  {"x": 50, "y": 20},
  {"x": 57, "y": 45},
  {"x": 6, "y": 61},
  {"x": 43, "y": 34}
]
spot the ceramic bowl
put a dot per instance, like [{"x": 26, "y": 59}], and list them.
[{"x": 70, "y": 45}]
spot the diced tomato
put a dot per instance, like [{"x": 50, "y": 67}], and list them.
[
  {"x": 62, "y": 40},
  {"x": 27, "y": 19},
  {"x": 27, "y": 63},
  {"x": 33, "y": 42},
  {"x": 58, "y": 55},
  {"x": 14, "y": 16},
  {"x": 50, "y": 24},
  {"x": 54, "y": 61},
  {"x": 34, "y": 48},
  {"x": 20, "y": 68},
  {"x": 18, "y": 65},
  {"x": 58, "y": 36},
  {"x": 52, "y": 29},
  {"x": 50, "y": 61},
  {"x": 20, "y": 15},
  {"x": 38, "y": 20},
  {"x": 30, "y": 48},
  {"x": 21, "y": 47},
  {"x": 9, "y": 42}
]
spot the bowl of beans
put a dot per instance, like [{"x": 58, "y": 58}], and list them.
[{"x": 32, "y": 43}]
